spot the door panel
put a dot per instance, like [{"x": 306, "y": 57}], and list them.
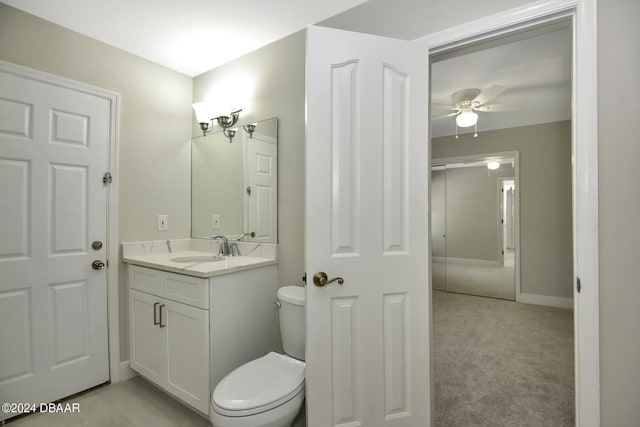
[
  {"x": 53, "y": 152},
  {"x": 67, "y": 213},
  {"x": 368, "y": 338},
  {"x": 14, "y": 228}
]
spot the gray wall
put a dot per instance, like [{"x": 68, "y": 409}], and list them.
[
  {"x": 545, "y": 198},
  {"x": 619, "y": 204},
  {"x": 275, "y": 77},
  {"x": 155, "y": 124}
]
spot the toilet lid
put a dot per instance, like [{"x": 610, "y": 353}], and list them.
[{"x": 268, "y": 381}]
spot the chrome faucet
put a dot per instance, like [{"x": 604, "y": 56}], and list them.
[
  {"x": 243, "y": 235},
  {"x": 224, "y": 245}
]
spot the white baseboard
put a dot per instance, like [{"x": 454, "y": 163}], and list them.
[
  {"x": 560, "y": 302},
  {"x": 125, "y": 372}
]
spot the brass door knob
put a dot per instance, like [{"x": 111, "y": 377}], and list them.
[
  {"x": 321, "y": 279},
  {"x": 97, "y": 265}
]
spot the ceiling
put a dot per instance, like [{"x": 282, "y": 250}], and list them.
[
  {"x": 189, "y": 36},
  {"x": 530, "y": 71}
]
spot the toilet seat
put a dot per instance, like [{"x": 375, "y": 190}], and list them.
[{"x": 259, "y": 386}]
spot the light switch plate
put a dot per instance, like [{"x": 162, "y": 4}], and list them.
[
  {"x": 215, "y": 221},
  {"x": 163, "y": 222}
]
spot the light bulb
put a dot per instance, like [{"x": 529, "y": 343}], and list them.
[
  {"x": 466, "y": 118},
  {"x": 493, "y": 165}
]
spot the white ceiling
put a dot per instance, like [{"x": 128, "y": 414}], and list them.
[
  {"x": 189, "y": 36},
  {"x": 534, "y": 69}
]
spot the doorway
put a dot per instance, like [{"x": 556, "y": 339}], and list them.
[{"x": 503, "y": 98}]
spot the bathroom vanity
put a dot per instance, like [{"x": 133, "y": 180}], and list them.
[{"x": 195, "y": 316}]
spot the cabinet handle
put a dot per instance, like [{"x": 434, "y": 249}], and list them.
[
  {"x": 155, "y": 316},
  {"x": 160, "y": 323}
]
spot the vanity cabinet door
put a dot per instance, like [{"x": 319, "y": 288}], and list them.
[
  {"x": 186, "y": 345},
  {"x": 169, "y": 333},
  {"x": 146, "y": 350}
]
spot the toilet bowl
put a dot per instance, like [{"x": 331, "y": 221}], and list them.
[{"x": 268, "y": 391}]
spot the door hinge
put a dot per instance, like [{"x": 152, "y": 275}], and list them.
[
  {"x": 107, "y": 178},
  {"x": 578, "y": 285}
]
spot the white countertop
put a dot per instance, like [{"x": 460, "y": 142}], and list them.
[{"x": 160, "y": 254}]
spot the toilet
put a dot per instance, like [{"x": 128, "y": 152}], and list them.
[{"x": 268, "y": 391}]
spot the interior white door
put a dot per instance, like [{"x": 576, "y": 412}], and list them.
[
  {"x": 367, "y": 348},
  {"x": 262, "y": 180},
  {"x": 53, "y": 324}
]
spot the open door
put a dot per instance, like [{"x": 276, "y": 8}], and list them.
[{"x": 366, "y": 223}]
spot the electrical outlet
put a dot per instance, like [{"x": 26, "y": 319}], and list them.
[
  {"x": 163, "y": 222},
  {"x": 215, "y": 221}
]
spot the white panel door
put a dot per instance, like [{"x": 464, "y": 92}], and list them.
[
  {"x": 262, "y": 176},
  {"x": 53, "y": 323},
  {"x": 366, "y": 222}
]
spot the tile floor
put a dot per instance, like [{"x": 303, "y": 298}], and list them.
[
  {"x": 134, "y": 402},
  {"x": 131, "y": 403}
]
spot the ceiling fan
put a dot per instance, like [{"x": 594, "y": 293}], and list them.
[{"x": 467, "y": 102}]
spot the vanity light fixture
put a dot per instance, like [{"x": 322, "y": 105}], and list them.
[
  {"x": 206, "y": 122},
  {"x": 230, "y": 133},
  {"x": 250, "y": 128}
]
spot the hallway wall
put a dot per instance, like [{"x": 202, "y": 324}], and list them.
[{"x": 546, "y": 260}]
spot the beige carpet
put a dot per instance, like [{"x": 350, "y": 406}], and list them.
[{"x": 501, "y": 363}]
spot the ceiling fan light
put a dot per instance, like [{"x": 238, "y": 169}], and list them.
[
  {"x": 467, "y": 118},
  {"x": 493, "y": 165}
]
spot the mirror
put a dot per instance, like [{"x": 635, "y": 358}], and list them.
[
  {"x": 473, "y": 228},
  {"x": 234, "y": 185}
]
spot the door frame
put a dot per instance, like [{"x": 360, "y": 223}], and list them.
[
  {"x": 501, "y": 208},
  {"x": 113, "y": 314},
  {"x": 515, "y": 154},
  {"x": 584, "y": 147}
]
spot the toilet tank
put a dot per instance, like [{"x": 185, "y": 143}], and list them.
[{"x": 292, "y": 320}]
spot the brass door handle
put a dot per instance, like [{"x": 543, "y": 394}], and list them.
[
  {"x": 97, "y": 265},
  {"x": 321, "y": 279}
]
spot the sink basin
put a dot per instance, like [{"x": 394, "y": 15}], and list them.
[{"x": 198, "y": 258}]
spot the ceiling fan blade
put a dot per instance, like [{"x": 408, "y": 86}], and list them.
[
  {"x": 489, "y": 95},
  {"x": 445, "y": 116},
  {"x": 435, "y": 105},
  {"x": 491, "y": 108}
]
